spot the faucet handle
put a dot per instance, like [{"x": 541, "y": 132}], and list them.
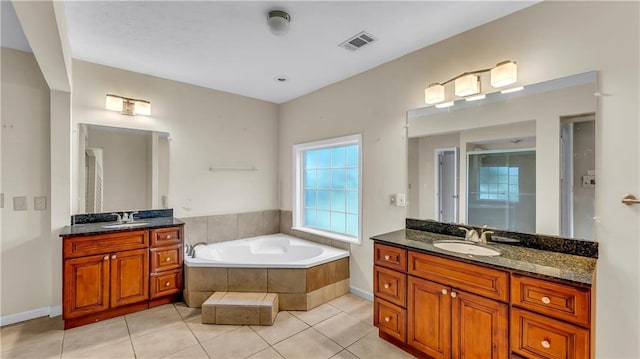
[
  {"x": 119, "y": 220},
  {"x": 483, "y": 237},
  {"x": 131, "y": 216}
]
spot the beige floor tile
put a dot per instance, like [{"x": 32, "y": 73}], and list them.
[
  {"x": 285, "y": 326},
  {"x": 268, "y": 353},
  {"x": 317, "y": 314},
  {"x": 150, "y": 310},
  {"x": 45, "y": 349},
  {"x": 168, "y": 340},
  {"x": 30, "y": 332},
  {"x": 345, "y": 354},
  {"x": 93, "y": 336},
  {"x": 348, "y": 302},
  {"x": 122, "y": 349},
  {"x": 193, "y": 352},
  {"x": 152, "y": 320},
  {"x": 186, "y": 312},
  {"x": 343, "y": 329},
  {"x": 308, "y": 344},
  {"x": 204, "y": 332},
  {"x": 239, "y": 343},
  {"x": 362, "y": 312},
  {"x": 373, "y": 347}
]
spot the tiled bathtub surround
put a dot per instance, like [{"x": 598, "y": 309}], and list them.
[
  {"x": 228, "y": 227},
  {"x": 536, "y": 241},
  {"x": 298, "y": 288}
]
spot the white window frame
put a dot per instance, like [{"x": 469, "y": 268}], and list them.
[{"x": 298, "y": 185}]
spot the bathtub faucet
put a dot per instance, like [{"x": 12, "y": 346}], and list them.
[{"x": 191, "y": 249}]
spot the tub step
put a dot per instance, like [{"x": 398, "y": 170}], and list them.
[{"x": 240, "y": 308}]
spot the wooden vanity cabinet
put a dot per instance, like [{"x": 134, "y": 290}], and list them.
[{"x": 107, "y": 275}]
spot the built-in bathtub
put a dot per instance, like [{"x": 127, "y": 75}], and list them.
[{"x": 305, "y": 274}]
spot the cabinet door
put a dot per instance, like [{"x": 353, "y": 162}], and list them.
[
  {"x": 429, "y": 318},
  {"x": 86, "y": 285},
  {"x": 129, "y": 277},
  {"x": 479, "y": 327}
]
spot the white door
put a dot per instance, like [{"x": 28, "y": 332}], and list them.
[{"x": 447, "y": 184}]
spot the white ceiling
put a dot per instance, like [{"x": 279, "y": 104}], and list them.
[{"x": 226, "y": 45}]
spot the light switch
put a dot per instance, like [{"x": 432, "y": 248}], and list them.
[
  {"x": 20, "y": 203},
  {"x": 40, "y": 203},
  {"x": 401, "y": 200}
]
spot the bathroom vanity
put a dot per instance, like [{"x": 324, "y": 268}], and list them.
[
  {"x": 524, "y": 303},
  {"x": 110, "y": 270}
]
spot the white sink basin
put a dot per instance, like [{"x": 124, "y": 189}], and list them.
[
  {"x": 125, "y": 225},
  {"x": 466, "y": 248}
]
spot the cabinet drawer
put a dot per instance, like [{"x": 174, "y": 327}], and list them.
[
  {"x": 105, "y": 243},
  {"x": 390, "y": 285},
  {"x": 535, "y": 336},
  {"x": 390, "y": 319},
  {"x": 165, "y": 283},
  {"x": 166, "y": 258},
  {"x": 390, "y": 257},
  {"x": 166, "y": 236},
  {"x": 557, "y": 300},
  {"x": 483, "y": 281}
]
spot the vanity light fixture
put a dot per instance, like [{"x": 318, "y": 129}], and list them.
[
  {"x": 444, "y": 104},
  {"x": 128, "y": 106},
  {"x": 513, "y": 89},
  {"x": 468, "y": 84}
]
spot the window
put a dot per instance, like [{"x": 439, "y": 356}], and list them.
[
  {"x": 499, "y": 183},
  {"x": 327, "y": 178}
]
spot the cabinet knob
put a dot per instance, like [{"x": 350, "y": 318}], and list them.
[
  {"x": 454, "y": 294},
  {"x": 387, "y": 286},
  {"x": 168, "y": 259},
  {"x": 387, "y": 319},
  {"x": 113, "y": 256},
  {"x": 545, "y": 300},
  {"x": 106, "y": 257},
  {"x": 444, "y": 291},
  {"x": 387, "y": 257},
  {"x": 168, "y": 236},
  {"x": 167, "y": 284},
  {"x": 545, "y": 344}
]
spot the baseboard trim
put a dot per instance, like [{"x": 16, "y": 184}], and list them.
[
  {"x": 31, "y": 314},
  {"x": 361, "y": 293}
]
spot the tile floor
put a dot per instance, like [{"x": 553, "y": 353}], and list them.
[{"x": 341, "y": 328}]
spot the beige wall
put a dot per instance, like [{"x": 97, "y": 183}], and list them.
[
  {"x": 26, "y": 235},
  {"x": 206, "y": 127},
  {"x": 548, "y": 40}
]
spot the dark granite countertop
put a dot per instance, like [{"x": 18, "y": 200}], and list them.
[
  {"x": 535, "y": 262},
  {"x": 97, "y": 228}
]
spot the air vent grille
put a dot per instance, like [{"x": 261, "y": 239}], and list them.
[{"x": 359, "y": 40}]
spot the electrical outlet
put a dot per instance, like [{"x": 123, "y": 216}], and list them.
[
  {"x": 20, "y": 203},
  {"x": 40, "y": 203},
  {"x": 401, "y": 200}
]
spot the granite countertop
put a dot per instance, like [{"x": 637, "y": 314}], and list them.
[
  {"x": 96, "y": 228},
  {"x": 540, "y": 263}
]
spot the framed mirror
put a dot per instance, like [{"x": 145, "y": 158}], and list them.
[
  {"x": 121, "y": 169},
  {"x": 521, "y": 161}
]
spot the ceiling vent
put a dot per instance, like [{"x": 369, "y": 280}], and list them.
[{"x": 358, "y": 41}]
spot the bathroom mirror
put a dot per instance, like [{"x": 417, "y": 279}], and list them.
[
  {"x": 521, "y": 161},
  {"x": 121, "y": 169}
]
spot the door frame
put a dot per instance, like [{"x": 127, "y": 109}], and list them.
[{"x": 437, "y": 200}]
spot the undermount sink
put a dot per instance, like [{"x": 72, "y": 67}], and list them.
[
  {"x": 125, "y": 225},
  {"x": 466, "y": 248}
]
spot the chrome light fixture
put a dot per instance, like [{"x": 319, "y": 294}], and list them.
[
  {"x": 467, "y": 85},
  {"x": 128, "y": 106}
]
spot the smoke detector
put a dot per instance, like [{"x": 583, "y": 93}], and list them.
[{"x": 278, "y": 22}]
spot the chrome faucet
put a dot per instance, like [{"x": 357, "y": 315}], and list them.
[
  {"x": 128, "y": 217},
  {"x": 483, "y": 236},
  {"x": 470, "y": 234},
  {"x": 191, "y": 249},
  {"x": 119, "y": 219}
]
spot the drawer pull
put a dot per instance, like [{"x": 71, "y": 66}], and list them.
[
  {"x": 387, "y": 319},
  {"x": 444, "y": 291},
  {"x": 106, "y": 257},
  {"x": 168, "y": 236},
  {"x": 387, "y": 286},
  {"x": 167, "y": 284},
  {"x": 113, "y": 256},
  {"x": 545, "y": 344},
  {"x": 454, "y": 294},
  {"x": 387, "y": 257},
  {"x": 168, "y": 259},
  {"x": 545, "y": 300}
]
